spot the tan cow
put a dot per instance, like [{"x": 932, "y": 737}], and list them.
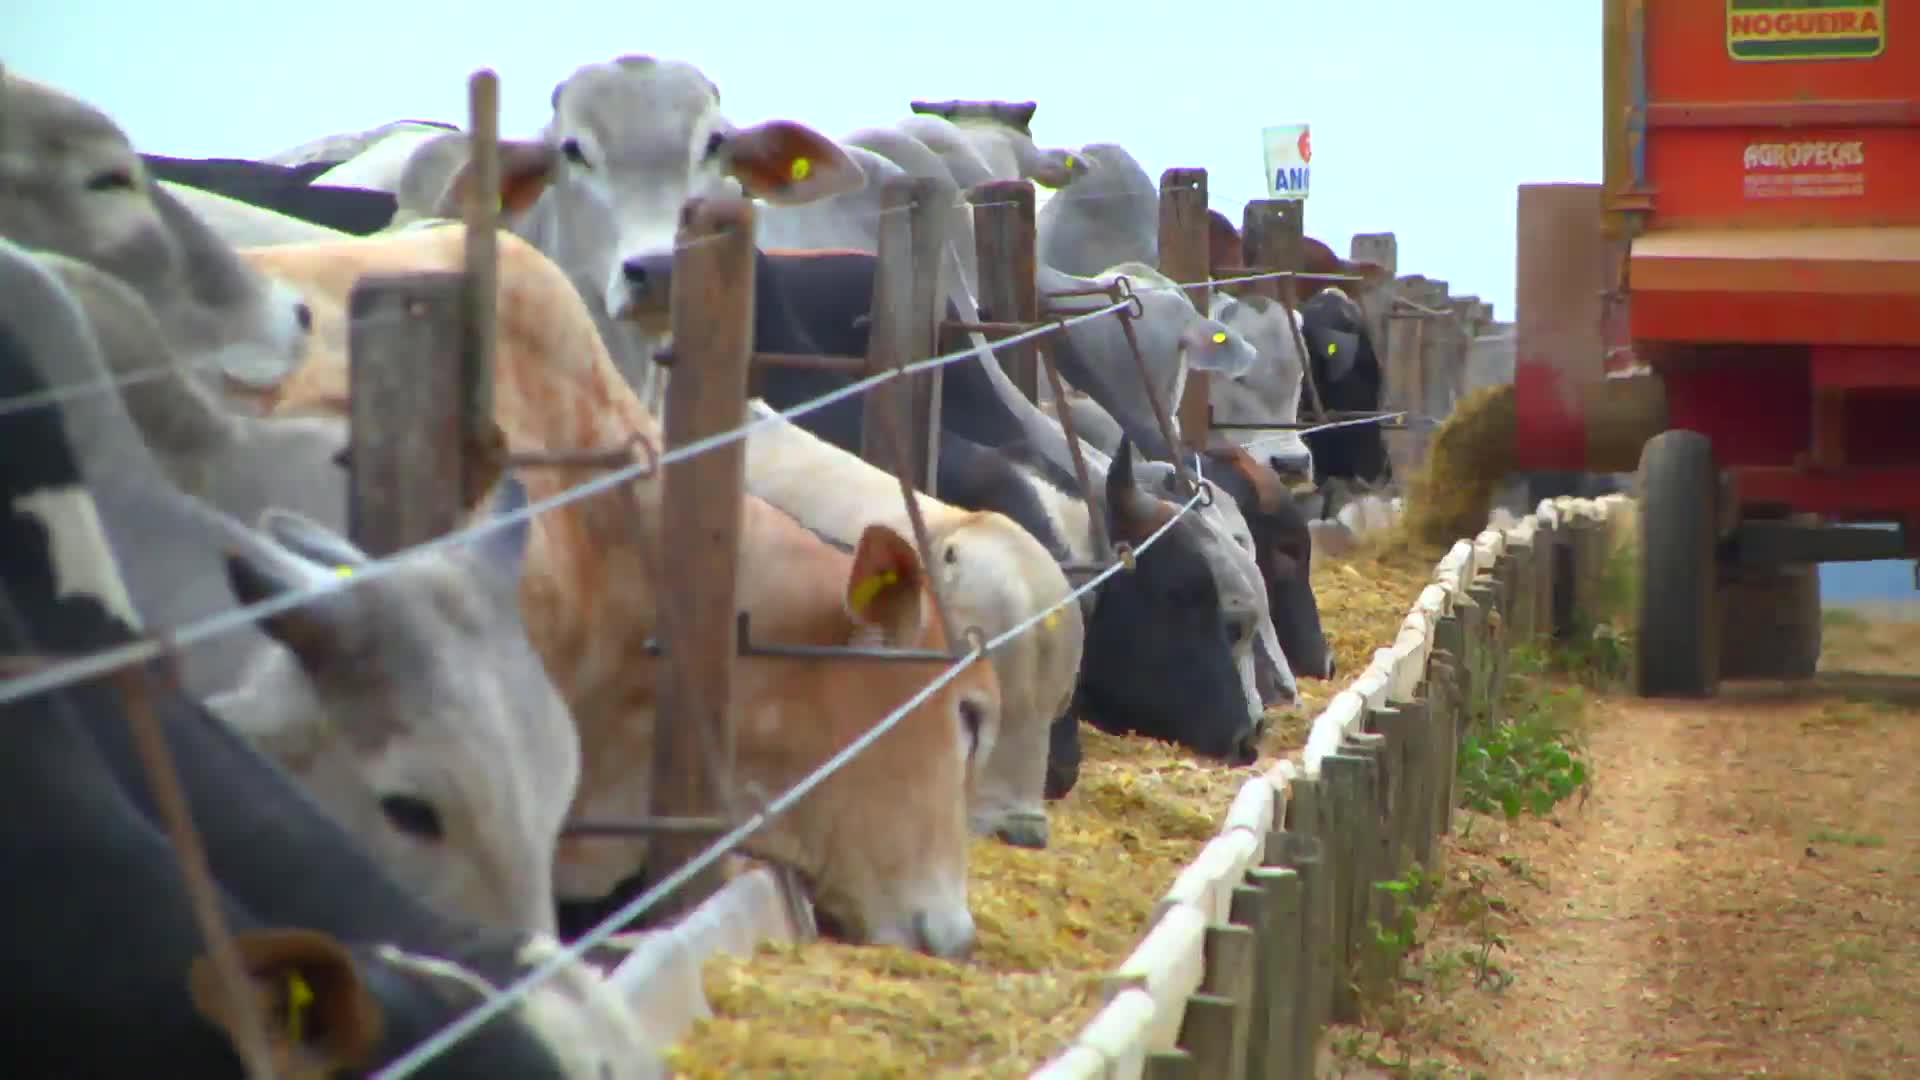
[{"x": 884, "y": 841}]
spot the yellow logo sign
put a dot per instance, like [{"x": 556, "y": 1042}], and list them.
[{"x": 1806, "y": 29}]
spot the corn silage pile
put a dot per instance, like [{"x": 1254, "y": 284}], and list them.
[
  {"x": 1470, "y": 456},
  {"x": 1050, "y": 923}
]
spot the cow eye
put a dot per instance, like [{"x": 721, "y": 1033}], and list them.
[
  {"x": 413, "y": 816},
  {"x": 111, "y": 180},
  {"x": 571, "y": 148},
  {"x": 715, "y": 141}
]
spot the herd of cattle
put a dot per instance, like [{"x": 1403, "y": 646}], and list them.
[{"x": 380, "y": 774}]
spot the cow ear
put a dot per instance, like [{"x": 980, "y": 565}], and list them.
[
  {"x": 1211, "y": 346},
  {"x": 525, "y": 167},
  {"x": 883, "y": 588},
  {"x": 310, "y": 540},
  {"x": 787, "y": 163},
  {"x": 1058, "y": 168},
  {"x": 320, "y": 1018},
  {"x": 503, "y": 550},
  {"x": 315, "y": 631},
  {"x": 1338, "y": 353}
]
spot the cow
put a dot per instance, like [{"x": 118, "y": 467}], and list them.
[
  {"x": 1348, "y": 376},
  {"x": 883, "y": 840},
  {"x": 993, "y": 575},
  {"x": 413, "y": 708},
  {"x": 600, "y": 190},
  {"x": 94, "y": 884},
  {"x": 1000, "y": 132},
  {"x": 917, "y": 160},
  {"x": 1269, "y": 391},
  {"x": 71, "y": 183},
  {"x": 1109, "y": 217},
  {"x": 1097, "y": 355},
  {"x": 816, "y": 303},
  {"x": 1283, "y": 549}
]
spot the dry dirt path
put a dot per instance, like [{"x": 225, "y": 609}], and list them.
[{"x": 1739, "y": 895}]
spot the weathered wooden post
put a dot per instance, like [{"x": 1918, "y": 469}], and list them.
[
  {"x": 1003, "y": 240},
  {"x": 1383, "y": 250},
  {"x": 420, "y": 374},
  {"x": 906, "y": 305},
  {"x": 1273, "y": 237},
  {"x": 405, "y": 408},
  {"x": 1184, "y": 257},
  {"x": 712, "y": 319},
  {"x": 1406, "y": 389}
]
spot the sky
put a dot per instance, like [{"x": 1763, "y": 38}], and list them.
[{"x": 1425, "y": 117}]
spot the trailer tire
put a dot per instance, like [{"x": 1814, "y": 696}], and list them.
[
  {"x": 1770, "y": 623},
  {"x": 1678, "y": 652}
]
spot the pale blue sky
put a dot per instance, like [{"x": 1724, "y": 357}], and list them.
[{"x": 1425, "y": 116}]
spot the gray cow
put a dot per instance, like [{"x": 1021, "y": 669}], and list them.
[
  {"x": 71, "y": 183},
  {"x": 413, "y": 707},
  {"x": 600, "y": 191},
  {"x": 1109, "y": 217}
]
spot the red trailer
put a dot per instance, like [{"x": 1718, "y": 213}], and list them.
[{"x": 1735, "y": 311}]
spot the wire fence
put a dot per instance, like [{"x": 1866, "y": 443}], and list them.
[{"x": 54, "y": 676}]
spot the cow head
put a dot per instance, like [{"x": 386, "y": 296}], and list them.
[
  {"x": 629, "y": 143},
  {"x": 416, "y": 711},
  {"x": 1159, "y": 660},
  {"x": 883, "y": 841},
  {"x": 71, "y": 183},
  {"x": 1269, "y": 390},
  {"x": 1283, "y": 549}
]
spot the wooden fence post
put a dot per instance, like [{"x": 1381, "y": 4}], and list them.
[
  {"x": 906, "y": 307},
  {"x": 1185, "y": 257},
  {"x": 1383, "y": 250},
  {"x": 482, "y": 216},
  {"x": 712, "y": 313},
  {"x": 405, "y": 398},
  {"x": 1273, "y": 236},
  {"x": 1003, "y": 239},
  {"x": 1406, "y": 390}
]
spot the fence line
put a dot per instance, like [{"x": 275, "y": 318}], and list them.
[
  {"x": 1262, "y": 940},
  {"x": 1188, "y": 261}
]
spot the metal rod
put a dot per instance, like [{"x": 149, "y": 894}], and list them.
[
  {"x": 785, "y": 651},
  {"x": 1102, "y": 544},
  {"x": 647, "y": 826},
  {"x": 1300, "y": 343},
  {"x": 249, "y": 1029},
  {"x": 1160, "y": 417},
  {"x": 855, "y": 364}
]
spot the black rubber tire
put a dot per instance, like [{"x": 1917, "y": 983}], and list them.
[
  {"x": 1678, "y": 642},
  {"x": 1770, "y": 623}
]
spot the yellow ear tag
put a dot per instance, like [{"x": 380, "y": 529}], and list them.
[
  {"x": 1219, "y": 339},
  {"x": 1332, "y": 348},
  {"x": 1069, "y": 159},
  {"x": 869, "y": 587},
  {"x": 800, "y": 169},
  {"x": 343, "y": 571},
  {"x": 299, "y": 996},
  {"x": 1051, "y": 621}
]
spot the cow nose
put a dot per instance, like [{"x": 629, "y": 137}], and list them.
[
  {"x": 648, "y": 274},
  {"x": 1291, "y": 464},
  {"x": 949, "y": 937},
  {"x": 1024, "y": 831},
  {"x": 303, "y": 316},
  {"x": 1246, "y": 750}
]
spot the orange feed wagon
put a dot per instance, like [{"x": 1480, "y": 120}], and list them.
[{"x": 1735, "y": 311}]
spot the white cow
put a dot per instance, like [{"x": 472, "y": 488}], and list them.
[
  {"x": 993, "y": 575},
  {"x": 71, "y": 183},
  {"x": 1269, "y": 391}
]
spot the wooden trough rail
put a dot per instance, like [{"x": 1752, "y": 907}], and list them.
[{"x": 1263, "y": 939}]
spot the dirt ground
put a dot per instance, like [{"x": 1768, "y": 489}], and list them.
[{"x": 1738, "y": 895}]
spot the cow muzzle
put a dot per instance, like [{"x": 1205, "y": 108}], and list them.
[{"x": 648, "y": 287}]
